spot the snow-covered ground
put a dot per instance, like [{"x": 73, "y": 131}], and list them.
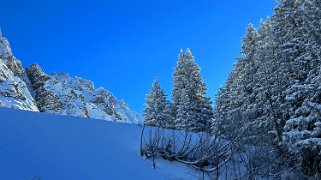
[{"x": 46, "y": 146}]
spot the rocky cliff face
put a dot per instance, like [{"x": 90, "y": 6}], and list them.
[
  {"x": 32, "y": 89},
  {"x": 62, "y": 94},
  {"x": 14, "y": 83}
]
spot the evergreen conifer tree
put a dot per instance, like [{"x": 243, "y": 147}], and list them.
[
  {"x": 189, "y": 89},
  {"x": 158, "y": 111}
]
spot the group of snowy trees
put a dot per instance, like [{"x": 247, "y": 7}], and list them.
[
  {"x": 271, "y": 100},
  {"x": 191, "y": 110},
  {"x": 274, "y": 90}
]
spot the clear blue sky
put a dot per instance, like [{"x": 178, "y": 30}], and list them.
[{"x": 123, "y": 45}]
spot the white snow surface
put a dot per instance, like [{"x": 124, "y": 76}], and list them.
[{"x": 47, "y": 146}]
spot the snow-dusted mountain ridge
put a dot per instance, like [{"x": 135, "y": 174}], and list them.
[{"x": 33, "y": 90}]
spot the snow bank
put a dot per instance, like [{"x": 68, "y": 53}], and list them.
[{"x": 36, "y": 145}]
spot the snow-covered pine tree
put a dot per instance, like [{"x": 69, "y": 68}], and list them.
[
  {"x": 189, "y": 88},
  {"x": 235, "y": 109},
  {"x": 158, "y": 111},
  {"x": 228, "y": 105},
  {"x": 269, "y": 84},
  {"x": 222, "y": 124}
]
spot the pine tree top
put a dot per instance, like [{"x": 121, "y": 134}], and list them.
[
  {"x": 188, "y": 52},
  {"x": 156, "y": 86}
]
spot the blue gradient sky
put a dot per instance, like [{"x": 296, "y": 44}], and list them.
[{"x": 123, "y": 45}]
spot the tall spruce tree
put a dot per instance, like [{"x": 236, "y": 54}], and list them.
[
  {"x": 158, "y": 110},
  {"x": 235, "y": 110},
  {"x": 189, "y": 90}
]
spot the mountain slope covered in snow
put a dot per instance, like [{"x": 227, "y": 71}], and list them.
[
  {"x": 32, "y": 89},
  {"x": 47, "y": 146},
  {"x": 14, "y": 83}
]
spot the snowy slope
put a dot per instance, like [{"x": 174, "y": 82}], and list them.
[{"x": 46, "y": 146}]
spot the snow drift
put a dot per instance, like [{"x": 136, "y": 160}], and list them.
[{"x": 46, "y": 146}]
